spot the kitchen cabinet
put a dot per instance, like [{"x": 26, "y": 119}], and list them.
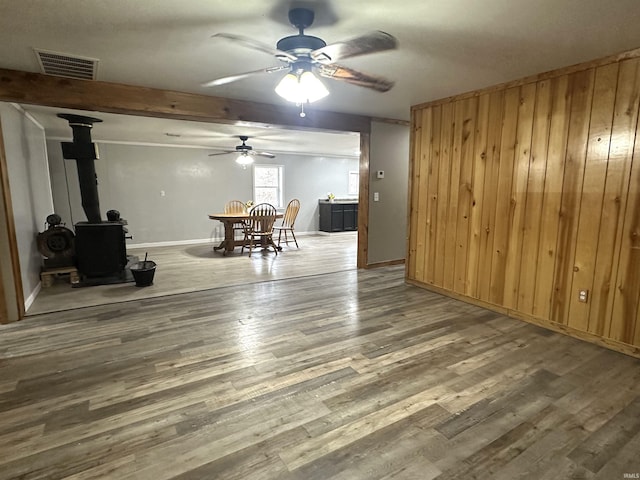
[{"x": 338, "y": 216}]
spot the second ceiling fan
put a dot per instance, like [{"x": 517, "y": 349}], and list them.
[
  {"x": 246, "y": 152},
  {"x": 304, "y": 55}
]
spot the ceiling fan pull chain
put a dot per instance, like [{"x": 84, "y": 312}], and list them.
[{"x": 302, "y": 114}]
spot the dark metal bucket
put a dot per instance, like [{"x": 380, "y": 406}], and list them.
[{"x": 143, "y": 273}]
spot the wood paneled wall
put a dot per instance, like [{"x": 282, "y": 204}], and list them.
[{"x": 522, "y": 195}]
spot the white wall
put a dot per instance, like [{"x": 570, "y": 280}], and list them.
[
  {"x": 310, "y": 178},
  {"x": 388, "y": 216},
  {"x": 132, "y": 179},
  {"x": 28, "y": 171}
]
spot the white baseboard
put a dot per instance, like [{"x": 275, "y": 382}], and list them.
[
  {"x": 172, "y": 243},
  {"x": 175, "y": 243},
  {"x": 335, "y": 233},
  {"x": 31, "y": 298}
]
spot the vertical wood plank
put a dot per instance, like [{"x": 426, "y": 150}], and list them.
[
  {"x": 9, "y": 311},
  {"x": 581, "y": 85},
  {"x": 595, "y": 172},
  {"x": 625, "y": 120},
  {"x": 496, "y": 106},
  {"x": 423, "y": 203},
  {"x": 480, "y": 157},
  {"x": 444, "y": 182},
  {"x": 519, "y": 193},
  {"x": 503, "y": 195},
  {"x": 625, "y": 304},
  {"x": 454, "y": 182},
  {"x": 534, "y": 198},
  {"x": 434, "y": 166},
  {"x": 554, "y": 176},
  {"x": 414, "y": 206},
  {"x": 4, "y": 310},
  {"x": 636, "y": 337},
  {"x": 465, "y": 196},
  {"x": 4, "y": 183},
  {"x": 363, "y": 200}
]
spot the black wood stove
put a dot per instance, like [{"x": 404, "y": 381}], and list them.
[{"x": 101, "y": 251}]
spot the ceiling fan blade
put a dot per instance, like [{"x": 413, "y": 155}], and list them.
[
  {"x": 369, "y": 43},
  {"x": 338, "y": 72},
  {"x": 226, "y": 152},
  {"x": 262, "y": 154},
  {"x": 240, "y": 76},
  {"x": 262, "y": 47}
]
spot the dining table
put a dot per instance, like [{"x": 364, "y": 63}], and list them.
[{"x": 229, "y": 220}]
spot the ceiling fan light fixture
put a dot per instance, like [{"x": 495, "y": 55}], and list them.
[
  {"x": 313, "y": 89},
  {"x": 288, "y": 87},
  {"x": 301, "y": 89},
  {"x": 244, "y": 160}
]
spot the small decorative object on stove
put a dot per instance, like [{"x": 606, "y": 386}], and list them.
[{"x": 113, "y": 215}]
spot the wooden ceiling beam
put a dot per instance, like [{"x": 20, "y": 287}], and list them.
[{"x": 39, "y": 89}]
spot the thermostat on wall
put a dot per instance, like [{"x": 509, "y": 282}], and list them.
[{"x": 380, "y": 174}]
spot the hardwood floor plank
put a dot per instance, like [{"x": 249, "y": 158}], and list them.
[
  {"x": 543, "y": 456},
  {"x": 598, "y": 449},
  {"x": 625, "y": 461},
  {"x": 344, "y": 375},
  {"x": 339, "y": 437},
  {"x": 381, "y": 391},
  {"x": 487, "y": 460},
  {"x": 195, "y": 449},
  {"x": 542, "y": 385},
  {"x": 383, "y": 454},
  {"x": 259, "y": 461},
  {"x": 565, "y": 468}
]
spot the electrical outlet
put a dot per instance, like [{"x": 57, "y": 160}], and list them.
[{"x": 583, "y": 296}]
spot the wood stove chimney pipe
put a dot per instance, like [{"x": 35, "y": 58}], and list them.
[{"x": 84, "y": 152}]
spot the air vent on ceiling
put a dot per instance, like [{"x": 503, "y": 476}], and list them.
[{"x": 64, "y": 65}]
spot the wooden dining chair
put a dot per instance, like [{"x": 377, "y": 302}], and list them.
[
  {"x": 288, "y": 221},
  {"x": 236, "y": 206},
  {"x": 259, "y": 226}
]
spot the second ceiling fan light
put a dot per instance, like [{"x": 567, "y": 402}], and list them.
[
  {"x": 245, "y": 153},
  {"x": 244, "y": 159}
]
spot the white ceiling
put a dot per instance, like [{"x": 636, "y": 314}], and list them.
[
  {"x": 445, "y": 47},
  {"x": 217, "y": 137}
]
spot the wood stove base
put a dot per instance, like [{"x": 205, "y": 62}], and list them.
[
  {"x": 48, "y": 275},
  {"x": 122, "y": 276}
]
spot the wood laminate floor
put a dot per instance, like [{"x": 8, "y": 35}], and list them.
[
  {"x": 191, "y": 268},
  {"x": 346, "y": 375}
]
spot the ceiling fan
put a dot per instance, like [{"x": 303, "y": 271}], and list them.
[
  {"x": 246, "y": 152},
  {"x": 303, "y": 55}
]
